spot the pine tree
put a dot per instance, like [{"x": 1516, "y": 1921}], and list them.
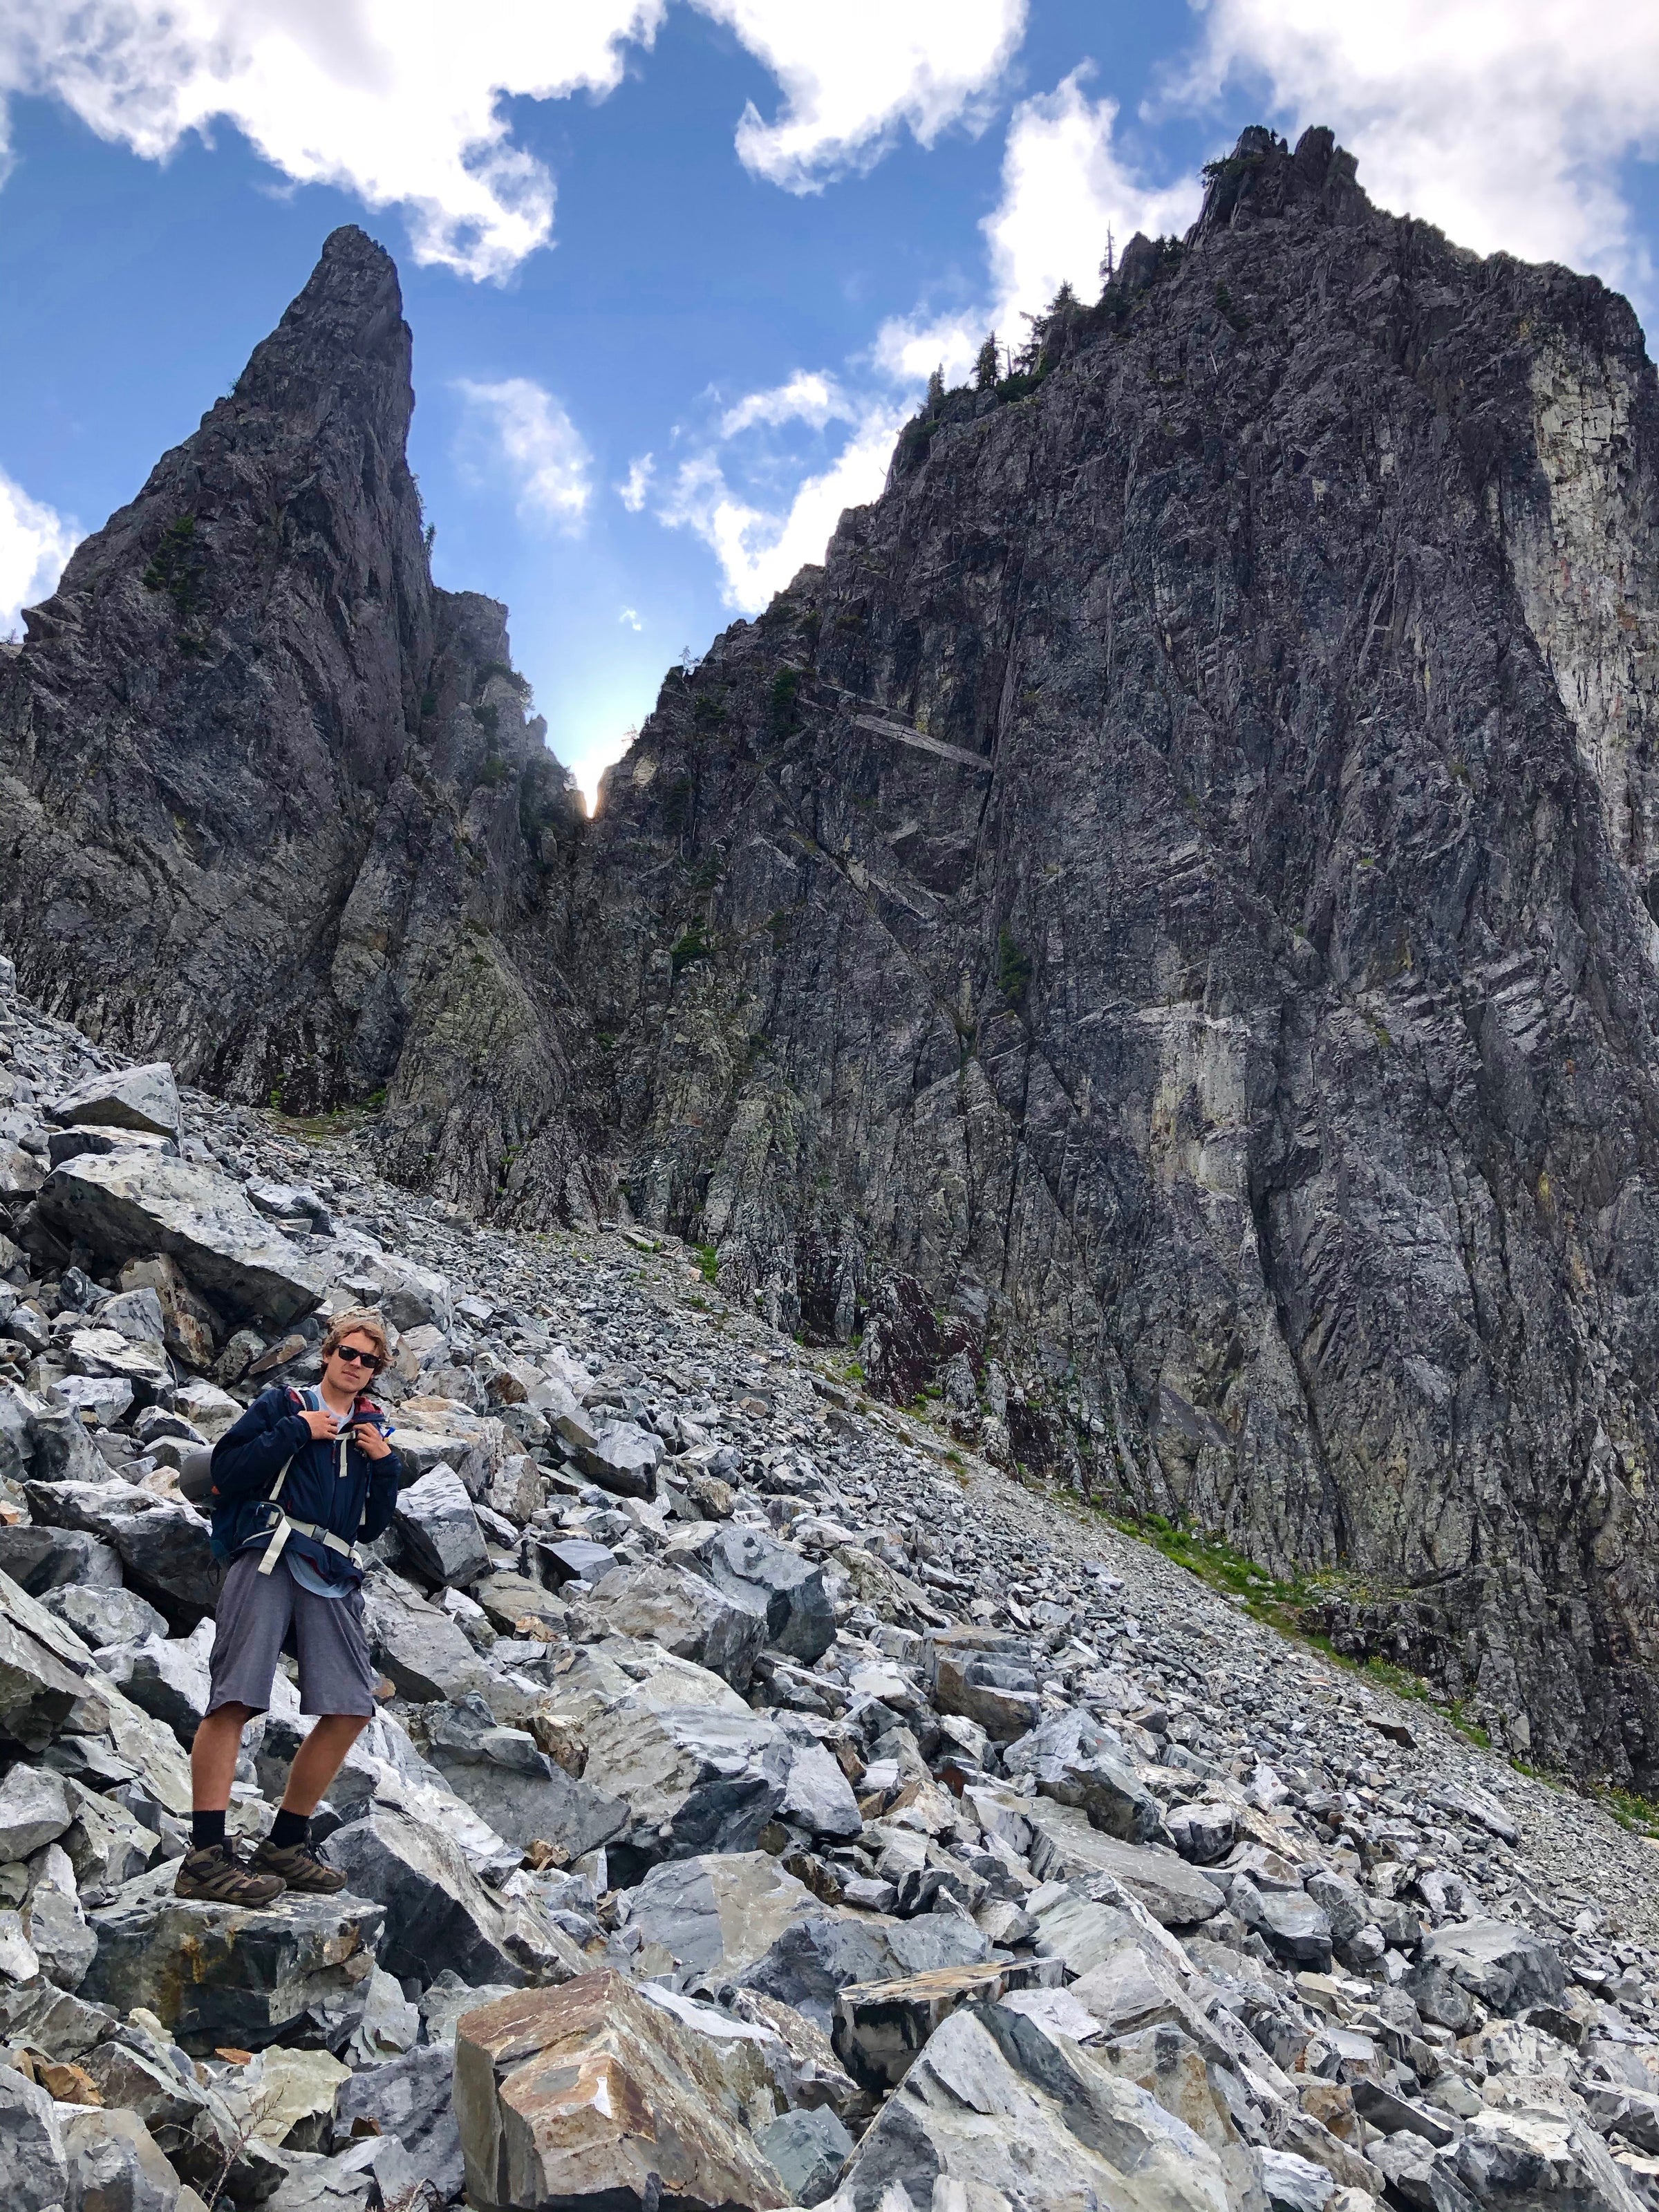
[
  {"x": 985, "y": 368},
  {"x": 936, "y": 391}
]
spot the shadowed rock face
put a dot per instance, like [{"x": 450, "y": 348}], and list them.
[
  {"x": 1153, "y": 935},
  {"x": 268, "y": 802},
  {"x": 1159, "y": 916}
]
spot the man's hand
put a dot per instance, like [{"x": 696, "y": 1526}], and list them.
[
  {"x": 324, "y": 1426},
  {"x": 374, "y": 1443}
]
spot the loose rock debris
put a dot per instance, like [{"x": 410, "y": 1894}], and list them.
[{"x": 766, "y": 1805}]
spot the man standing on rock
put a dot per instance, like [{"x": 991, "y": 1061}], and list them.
[{"x": 296, "y": 1483}]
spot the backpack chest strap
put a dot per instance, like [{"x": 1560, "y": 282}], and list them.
[{"x": 285, "y": 1528}]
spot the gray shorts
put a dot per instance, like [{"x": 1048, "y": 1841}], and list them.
[{"x": 257, "y": 1613}]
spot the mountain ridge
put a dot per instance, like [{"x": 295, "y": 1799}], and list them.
[{"x": 1151, "y": 938}]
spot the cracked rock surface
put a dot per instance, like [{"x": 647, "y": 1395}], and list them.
[
  {"x": 1152, "y": 940},
  {"x": 918, "y": 1839}
]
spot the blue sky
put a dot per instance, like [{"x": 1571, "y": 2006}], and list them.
[{"x": 676, "y": 272}]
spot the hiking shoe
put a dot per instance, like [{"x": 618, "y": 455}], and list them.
[
  {"x": 217, "y": 1876},
  {"x": 298, "y": 1866}
]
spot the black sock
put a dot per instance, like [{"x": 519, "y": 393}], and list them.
[
  {"x": 288, "y": 1828},
  {"x": 205, "y": 1830}
]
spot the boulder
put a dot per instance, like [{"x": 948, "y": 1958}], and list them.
[
  {"x": 128, "y": 1205},
  {"x": 99, "y": 1400},
  {"x": 33, "y": 2165},
  {"x": 515, "y": 1606},
  {"x": 40, "y": 1558},
  {"x": 144, "y": 1098},
  {"x": 1082, "y": 1929},
  {"x": 622, "y": 1458},
  {"x": 1290, "y": 2183},
  {"x": 390, "y": 2025},
  {"x": 806, "y": 2150},
  {"x": 813, "y": 1961},
  {"x": 346, "y": 2181},
  {"x": 714, "y": 1915},
  {"x": 818, "y": 1797},
  {"x": 35, "y": 1810},
  {"x": 440, "y": 1529},
  {"x": 136, "y": 1314},
  {"x": 761, "y": 1573},
  {"x": 56, "y": 1931},
  {"x": 112, "y": 1353},
  {"x": 1075, "y": 1761},
  {"x": 292, "y": 2094},
  {"x": 985, "y": 1676},
  {"x": 525, "y": 1795},
  {"x": 936, "y": 1940},
  {"x": 1534, "y": 2157},
  {"x": 61, "y": 2027},
  {"x": 1202, "y": 1832},
  {"x": 44, "y": 1440},
  {"x": 576, "y": 1559},
  {"x": 105, "y": 1844},
  {"x": 1133, "y": 1989},
  {"x": 880, "y": 2026},
  {"x": 189, "y": 1327},
  {"x": 167, "y": 1553},
  {"x": 207, "y": 1408},
  {"x": 114, "y": 2165},
  {"x": 1295, "y": 1928},
  {"x": 19, "y": 1961},
  {"x": 293, "y": 1971},
  {"x": 409, "y": 2100},
  {"x": 1506, "y": 1969},
  {"x": 421, "y": 1650},
  {"x": 38, "y": 1691},
  {"x": 695, "y": 1779},
  {"x": 687, "y": 1615},
  {"x": 999, "y": 2109},
  {"x": 166, "y": 1677},
  {"x": 438, "y": 1913},
  {"x": 408, "y": 1295},
  {"x": 593, "y": 2098},
  {"x": 204, "y": 2142},
  {"x": 101, "y": 1612},
  {"x": 1065, "y": 1845},
  {"x": 422, "y": 1447},
  {"x": 1386, "y": 2110}
]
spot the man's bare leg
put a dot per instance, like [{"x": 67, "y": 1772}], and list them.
[
  {"x": 213, "y": 1756},
  {"x": 210, "y": 1871},
  {"x": 319, "y": 1759}
]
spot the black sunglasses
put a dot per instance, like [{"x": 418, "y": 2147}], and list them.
[{"x": 358, "y": 1358}]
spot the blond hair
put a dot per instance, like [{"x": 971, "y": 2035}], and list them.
[{"x": 361, "y": 1321}]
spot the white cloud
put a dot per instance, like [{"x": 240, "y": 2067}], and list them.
[
  {"x": 1506, "y": 122},
  {"x": 853, "y": 74},
  {"x": 630, "y": 618},
  {"x": 396, "y": 102},
  {"x": 400, "y": 102},
  {"x": 637, "y": 482},
  {"x": 1065, "y": 188},
  {"x": 516, "y": 429},
  {"x": 809, "y": 397},
  {"x": 759, "y": 550},
  {"x": 35, "y": 541}
]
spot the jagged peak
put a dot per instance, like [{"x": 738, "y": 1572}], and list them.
[
  {"x": 1264, "y": 176},
  {"x": 349, "y": 312}
]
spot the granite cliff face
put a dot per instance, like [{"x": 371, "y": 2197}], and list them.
[
  {"x": 270, "y": 804},
  {"x": 1152, "y": 940},
  {"x": 1153, "y": 931}
]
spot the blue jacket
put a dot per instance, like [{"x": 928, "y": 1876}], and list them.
[{"x": 249, "y": 1456}]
